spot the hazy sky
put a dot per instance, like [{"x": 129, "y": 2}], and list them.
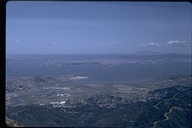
[{"x": 97, "y": 27}]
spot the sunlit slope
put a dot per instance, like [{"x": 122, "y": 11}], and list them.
[{"x": 12, "y": 123}]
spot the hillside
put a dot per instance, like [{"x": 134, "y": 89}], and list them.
[
  {"x": 173, "y": 109},
  {"x": 13, "y": 123}
]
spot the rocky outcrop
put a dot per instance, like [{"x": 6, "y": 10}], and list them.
[{"x": 12, "y": 123}]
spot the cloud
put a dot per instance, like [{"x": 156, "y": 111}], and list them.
[
  {"x": 84, "y": 44},
  {"x": 154, "y": 44},
  {"x": 54, "y": 43},
  {"x": 115, "y": 44},
  {"x": 149, "y": 44},
  {"x": 176, "y": 42},
  {"x": 169, "y": 43},
  {"x": 110, "y": 44},
  {"x": 17, "y": 41}
]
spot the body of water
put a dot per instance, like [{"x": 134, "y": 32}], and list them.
[{"x": 99, "y": 73}]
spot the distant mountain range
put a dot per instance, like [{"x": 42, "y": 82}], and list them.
[{"x": 148, "y": 52}]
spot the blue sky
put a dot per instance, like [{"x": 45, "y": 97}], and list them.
[{"x": 97, "y": 27}]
